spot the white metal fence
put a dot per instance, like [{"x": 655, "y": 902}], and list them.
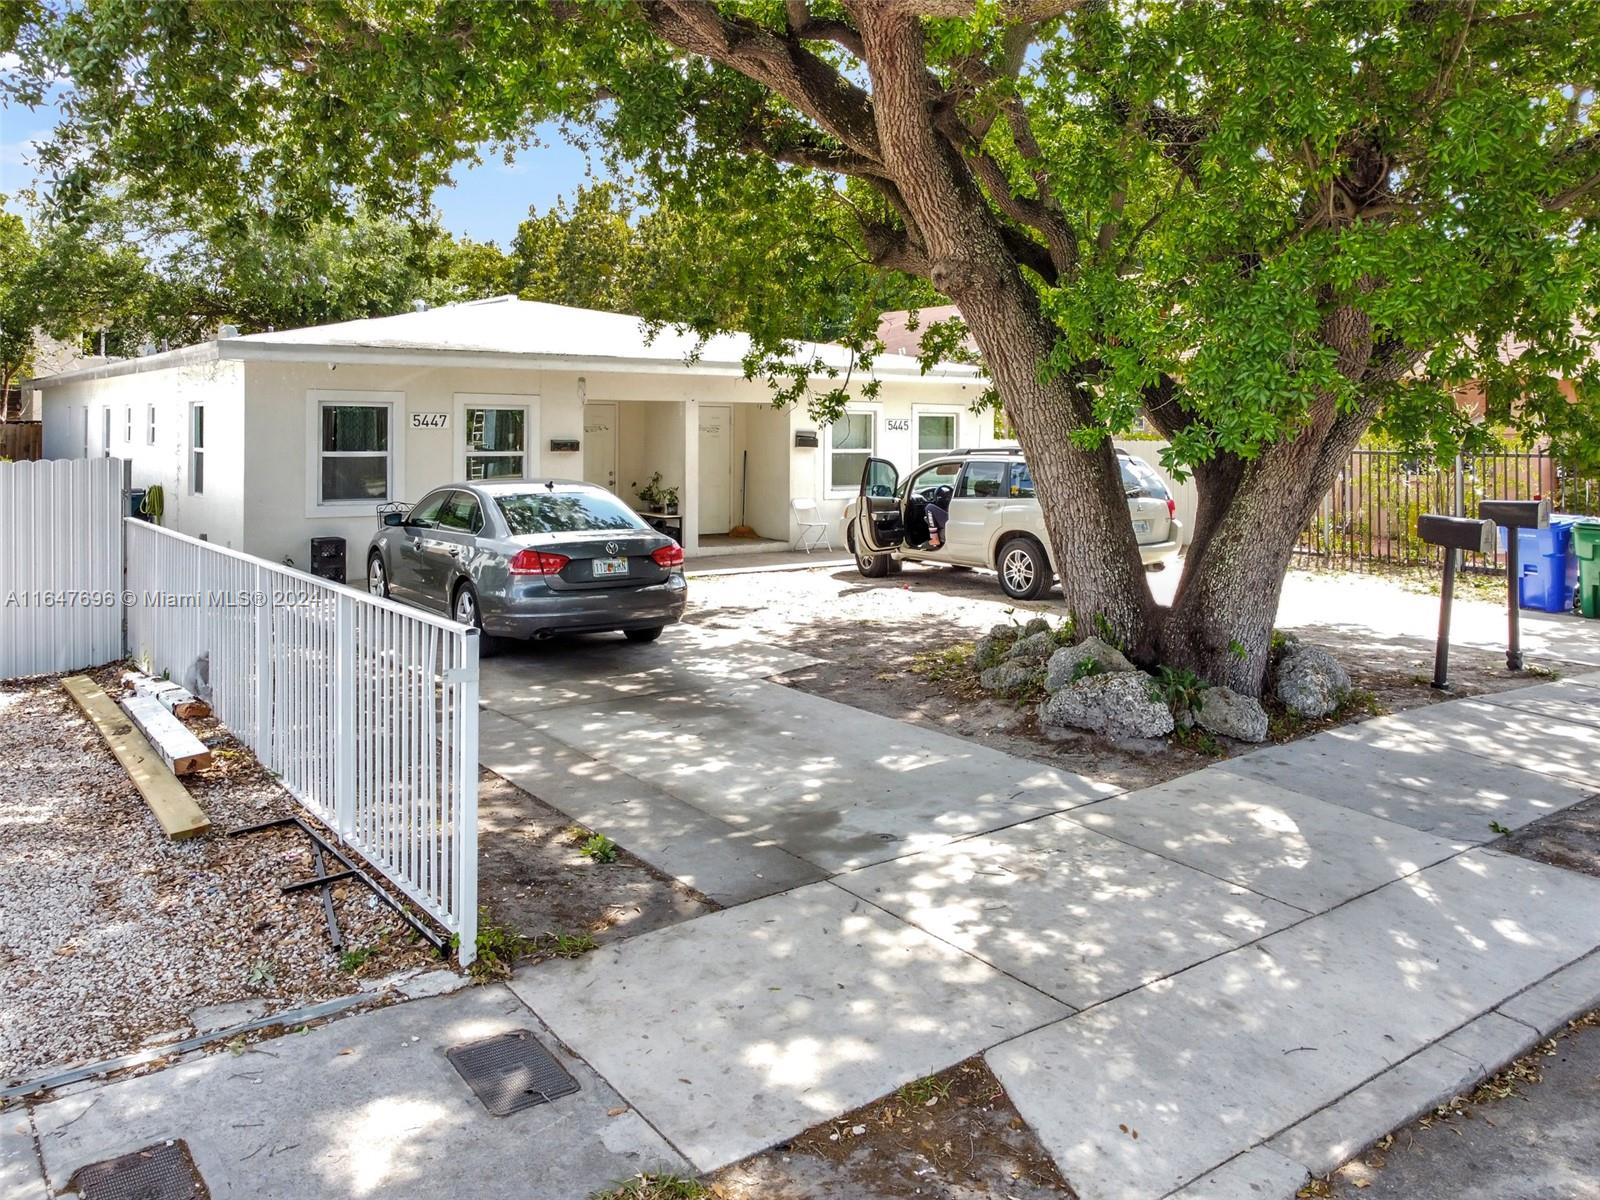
[
  {"x": 60, "y": 565},
  {"x": 368, "y": 711}
]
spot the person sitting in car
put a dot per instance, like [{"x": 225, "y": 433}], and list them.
[{"x": 937, "y": 513}]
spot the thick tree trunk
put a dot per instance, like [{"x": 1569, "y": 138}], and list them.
[
  {"x": 1220, "y": 623},
  {"x": 1081, "y": 492}
]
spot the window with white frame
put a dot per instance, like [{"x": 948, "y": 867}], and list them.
[
  {"x": 127, "y": 424},
  {"x": 936, "y": 435},
  {"x": 150, "y": 424},
  {"x": 851, "y": 442},
  {"x": 497, "y": 443},
  {"x": 197, "y": 449},
  {"x": 353, "y": 452}
]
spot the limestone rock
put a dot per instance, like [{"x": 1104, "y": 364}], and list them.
[
  {"x": 1008, "y": 678},
  {"x": 1310, "y": 683},
  {"x": 1034, "y": 648},
  {"x": 1122, "y": 704},
  {"x": 992, "y": 646},
  {"x": 1226, "y": 713},
  {"x": 1065, "y": 661}
]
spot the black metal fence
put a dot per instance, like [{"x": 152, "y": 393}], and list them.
[{"x": 1368, "y": 520}]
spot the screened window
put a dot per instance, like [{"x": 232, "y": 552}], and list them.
[
  {"x": 354, "y": 452},
  {"x": 105, "y": 432},
  {"x": 497, "y": 443},
  {"x": 565, "y": 512},
  {"x": 197, "y": 448},
  {"x": 936, "y": 435},
  {"x": 982, "y": 480},
  {"x": 850, "y": 445},
  {"x": 127, "y": 424},
  {"x": 150, "y": 424}
]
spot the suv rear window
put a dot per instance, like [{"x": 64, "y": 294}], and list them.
[
  {"x": 1140, "y": 477},
  {"x": 1021, "y": 482},
  {"x": 565, "y": 512}
]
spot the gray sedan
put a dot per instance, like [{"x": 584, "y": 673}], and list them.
[{"x": 530, "y": 560}]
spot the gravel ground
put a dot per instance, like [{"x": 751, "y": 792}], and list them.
[{"x": 111, "y": 935}]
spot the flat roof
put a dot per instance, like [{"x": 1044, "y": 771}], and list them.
[{"x": 506, "y": 332}]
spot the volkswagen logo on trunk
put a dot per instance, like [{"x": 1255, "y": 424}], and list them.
[{"x": 612, "y": 547}]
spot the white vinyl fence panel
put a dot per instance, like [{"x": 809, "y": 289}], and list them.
[
  {"x": 60, "y": 565},
  {"x": 367, "y": 710}
]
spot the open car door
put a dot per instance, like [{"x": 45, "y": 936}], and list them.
[{"x": 880, "y": 526}]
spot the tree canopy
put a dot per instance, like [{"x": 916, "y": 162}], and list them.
[{"x": 1263, "y": 226}]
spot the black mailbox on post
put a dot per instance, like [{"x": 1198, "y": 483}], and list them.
[
  {"x": 1453, "y": 533},
  {"x": 1513, "y": 515}
]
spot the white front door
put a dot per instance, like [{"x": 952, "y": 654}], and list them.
[
  {"x": 600, "y": 445},
  {"x": 716, "y": 468}
]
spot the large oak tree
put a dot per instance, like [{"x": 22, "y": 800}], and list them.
[{"x": 1264, "y": 225}]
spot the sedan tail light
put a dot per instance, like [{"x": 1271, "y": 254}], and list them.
[
  {"x": 670, "y": 555},
  {"x": 538, "y": 562}
]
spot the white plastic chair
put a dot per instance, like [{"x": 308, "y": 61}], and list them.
[{"x": 813, "y": 532}]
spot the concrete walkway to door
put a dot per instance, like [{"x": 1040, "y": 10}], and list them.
[{"x": 1255, "y": 968}]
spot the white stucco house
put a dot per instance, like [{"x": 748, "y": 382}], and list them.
[{"x": 265, "y": 441}]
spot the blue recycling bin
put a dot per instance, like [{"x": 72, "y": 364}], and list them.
[{"x": 1549, "y": 570}]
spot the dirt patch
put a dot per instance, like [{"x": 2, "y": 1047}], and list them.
[
  {"x": 1569, "y": 838},
  {"x": 881, "y": 642},
  {"x": 952, "y": 1136},
  {"x": 535, "y": 880},
  {"x": 111, "y": 935}
]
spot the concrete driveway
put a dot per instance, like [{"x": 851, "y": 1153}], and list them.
[{"x": 686, "y": 753}]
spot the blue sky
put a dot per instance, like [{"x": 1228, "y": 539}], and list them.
[{"x": 486, "y": 203}]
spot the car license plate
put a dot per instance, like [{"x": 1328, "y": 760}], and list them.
[
  {"x": 610, "y": 566},
  {"x": 1141, "y": 526}
]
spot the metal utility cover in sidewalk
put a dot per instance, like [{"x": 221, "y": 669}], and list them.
[
  {"x": 160, "y": 1172},
  {"x": 511, "y": 1071}
]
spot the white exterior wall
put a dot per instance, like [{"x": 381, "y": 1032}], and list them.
[
  {"x": 894, "y": 412},
  {"x": 262, "y": 466},
  {"x": 218, "y": 512}
]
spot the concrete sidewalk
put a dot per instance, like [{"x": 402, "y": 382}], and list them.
[
  {"x": 364, "y": 1106},
  {"x": 1256, "y": 968},
  {"x": 1206, "y": 989}
]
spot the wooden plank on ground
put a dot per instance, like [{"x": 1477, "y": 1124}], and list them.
[
  {"x": 179, "y": 749},
  {"x": 179, "y": 816}
]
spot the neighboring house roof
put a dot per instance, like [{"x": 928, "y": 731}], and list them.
[
  {"x": 897, "y": 339},
  {"x": 504, "y": 331}
]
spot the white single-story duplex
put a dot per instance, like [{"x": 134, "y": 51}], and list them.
[{"x": 265, "y": 441}]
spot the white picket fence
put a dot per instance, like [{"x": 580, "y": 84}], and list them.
[
  {"x": 366, "y": 710},
  {"x": 60, "y": 565}
]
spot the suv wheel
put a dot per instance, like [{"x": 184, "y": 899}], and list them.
[
  {"x": 1024, "y": 570},
  {"x": 873, "y": 566}
]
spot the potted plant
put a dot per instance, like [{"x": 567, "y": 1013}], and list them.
[{"x": 657, "y": 498}]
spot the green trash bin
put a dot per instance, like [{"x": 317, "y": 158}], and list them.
[{"x": 1586, "y": 549}]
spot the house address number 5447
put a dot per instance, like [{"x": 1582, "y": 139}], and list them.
[{"x": 430, "y": 420}]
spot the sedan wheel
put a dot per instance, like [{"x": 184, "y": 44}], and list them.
[
  {"x": 377, "y": 577},
  {"x": 466, "y": 609}
]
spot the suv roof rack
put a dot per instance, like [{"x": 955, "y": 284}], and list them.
[{"x": 984, "y": 450}]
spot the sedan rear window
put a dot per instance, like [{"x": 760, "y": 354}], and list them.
[{"x": 565, "y": 512}]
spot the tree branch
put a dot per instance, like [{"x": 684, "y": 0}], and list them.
[
  {"x": 804, "y": 26},
  {"x": 781, "y": 64}
]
